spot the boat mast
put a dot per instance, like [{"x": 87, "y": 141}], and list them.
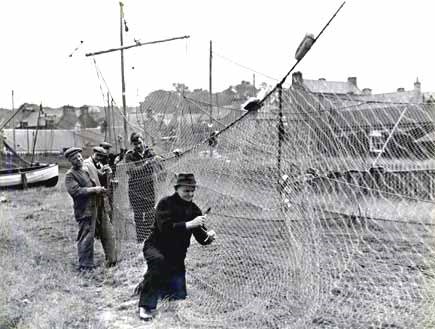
[
  {"x": 210, "y": 79},
  {"x": 210, "y": 91},
  {"x": 36, "y": 134},
  {"x": 13, "y": 122}
]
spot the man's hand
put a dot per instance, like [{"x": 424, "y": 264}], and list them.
[
  {"x": 106, "y": 169},
  {"x": 211, "y": 236},
  {"x": 100, "y": 189},
  {"x": 196, "y": 222}
]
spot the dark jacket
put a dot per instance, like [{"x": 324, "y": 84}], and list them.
[
  {"x": 142, "y": 167},
  {"x": 169, "y": 234},
  {"x": 77, "y": 183}
]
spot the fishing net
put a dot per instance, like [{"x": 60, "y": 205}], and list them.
[{"x": 322, "y": 201}]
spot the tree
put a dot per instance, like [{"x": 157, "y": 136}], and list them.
[{"x": 180, "y": 88}]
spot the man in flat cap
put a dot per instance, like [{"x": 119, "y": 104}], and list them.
[
  {"x": 83, "y": 186},
  {"x": 177, "y": 218},
  {"x": 99, "y": 161},
  {"x": 112, "y": 159},
  {"x": 142, "y": 168},
  {"x": 108, "y": 161}
]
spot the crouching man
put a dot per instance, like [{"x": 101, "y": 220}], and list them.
[
  {"x": 83, "y": 186},
  {"x": 177, "y": 218}
]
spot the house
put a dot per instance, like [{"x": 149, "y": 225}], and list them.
[
  {"x": 30, "y": 117},
  {"x": 73, "y": 118},
  {"x": 339, "y": 119}
]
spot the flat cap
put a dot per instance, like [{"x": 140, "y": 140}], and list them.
[
  {"x": 72, "y": 151},
  {"x": 106, "y": 145},
  {"x": 99, "y": 150}
]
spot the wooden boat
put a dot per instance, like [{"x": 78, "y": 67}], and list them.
[
  {"x": 25, "y": 174},
  {"x": 37, "y": 175}
]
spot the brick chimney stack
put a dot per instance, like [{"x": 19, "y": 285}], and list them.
[
  {"x": 417, "y": 86},
  {"x": 352, "y": 80},
  {"x": 297, "y": 78},
  {"x": 367, "y": 91}
]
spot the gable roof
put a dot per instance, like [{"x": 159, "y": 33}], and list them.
[{"x": 384, "y": 114}]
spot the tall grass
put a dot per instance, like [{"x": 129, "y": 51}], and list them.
[{"x": 38, "y": 289}]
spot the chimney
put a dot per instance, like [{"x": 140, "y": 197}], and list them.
[
  {"x": 367, "y": 91},
  {"x": 322, "y": 79},
  {"x": 417, "y": 85},
  {"x": 352, "y": 80},
  {"x": 67, "y": 108},
  {"x": 400, "y": 90},
  {"x": 297, "y": 78}
]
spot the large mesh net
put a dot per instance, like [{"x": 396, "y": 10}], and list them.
[{"x": 322, "y": 201}]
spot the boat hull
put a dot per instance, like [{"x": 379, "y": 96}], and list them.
[{"x": 42, "y": 175}]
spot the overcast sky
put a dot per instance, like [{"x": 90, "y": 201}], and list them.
[{"x": 386, "y": 44}]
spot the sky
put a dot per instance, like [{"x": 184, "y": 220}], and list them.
[{"x": 386, "y": 44}]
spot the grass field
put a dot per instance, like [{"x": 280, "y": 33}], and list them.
[
  {"x": 267, "y": 269},
  {"x": 40, "y": 286}
]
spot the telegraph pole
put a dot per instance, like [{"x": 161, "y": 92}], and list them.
[{"x": 124, "y": 101}]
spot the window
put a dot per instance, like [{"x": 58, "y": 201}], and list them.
[
  {"x": 377, "y": 139},
  {"x": 49, "y": 123},
  {"x": 23, "y": 124}
]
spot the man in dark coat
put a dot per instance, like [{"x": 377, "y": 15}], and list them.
[
  {"x": 177, "y": 218},
  {"x": 143, "y": 165}
]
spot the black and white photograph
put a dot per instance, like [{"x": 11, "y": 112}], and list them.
[{"x": 217, "y": 164}]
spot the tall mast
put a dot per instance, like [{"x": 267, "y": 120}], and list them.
[
  {"x": 35, "y": 138},
  {"x": 124, "y": 102},
  {"x": 13, "y": 122},
  {"x": 121, "y": 49},
  {"x": 210, "y": 90}
]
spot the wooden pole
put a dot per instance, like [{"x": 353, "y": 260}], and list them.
[
  {"x": 124, "y": 101},
  {"x": 210, "y": 79},
  {"x": 115, "y": 137},
  {"x": 13, "y": 122},
  {"x": 138, "y": 44},
  {"x": 210, "y": 88},
  {"x": 36, "y": 134},
  {"x": 108, "y": 120}
]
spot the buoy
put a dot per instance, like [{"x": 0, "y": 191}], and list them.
[{"x": 304, "y": 46}]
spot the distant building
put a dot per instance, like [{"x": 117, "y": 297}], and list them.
[
  {"x": 340, "y": 119},
  {"x": 29, "y": 114}
]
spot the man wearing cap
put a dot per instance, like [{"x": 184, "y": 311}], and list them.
[
  {"x": 107, "y": 182},
  {"x": 112, "y": 158},
  {"x": 98, "y": 165},
  {"x": 177, "y": 218},
  {"x": 83, "y": 186},
  {"x": 143, "y": 165}
]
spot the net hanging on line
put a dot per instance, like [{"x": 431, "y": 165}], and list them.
[{"x": 326, "y": 224}]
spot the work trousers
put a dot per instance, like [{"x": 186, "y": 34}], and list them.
[
  {"x": 90, "y": 227},
  {"x": 142, "y": 199},
  {"x": 162, "y": 280}
]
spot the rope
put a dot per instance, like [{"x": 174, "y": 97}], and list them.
[{"x": 244, "y": 66}]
